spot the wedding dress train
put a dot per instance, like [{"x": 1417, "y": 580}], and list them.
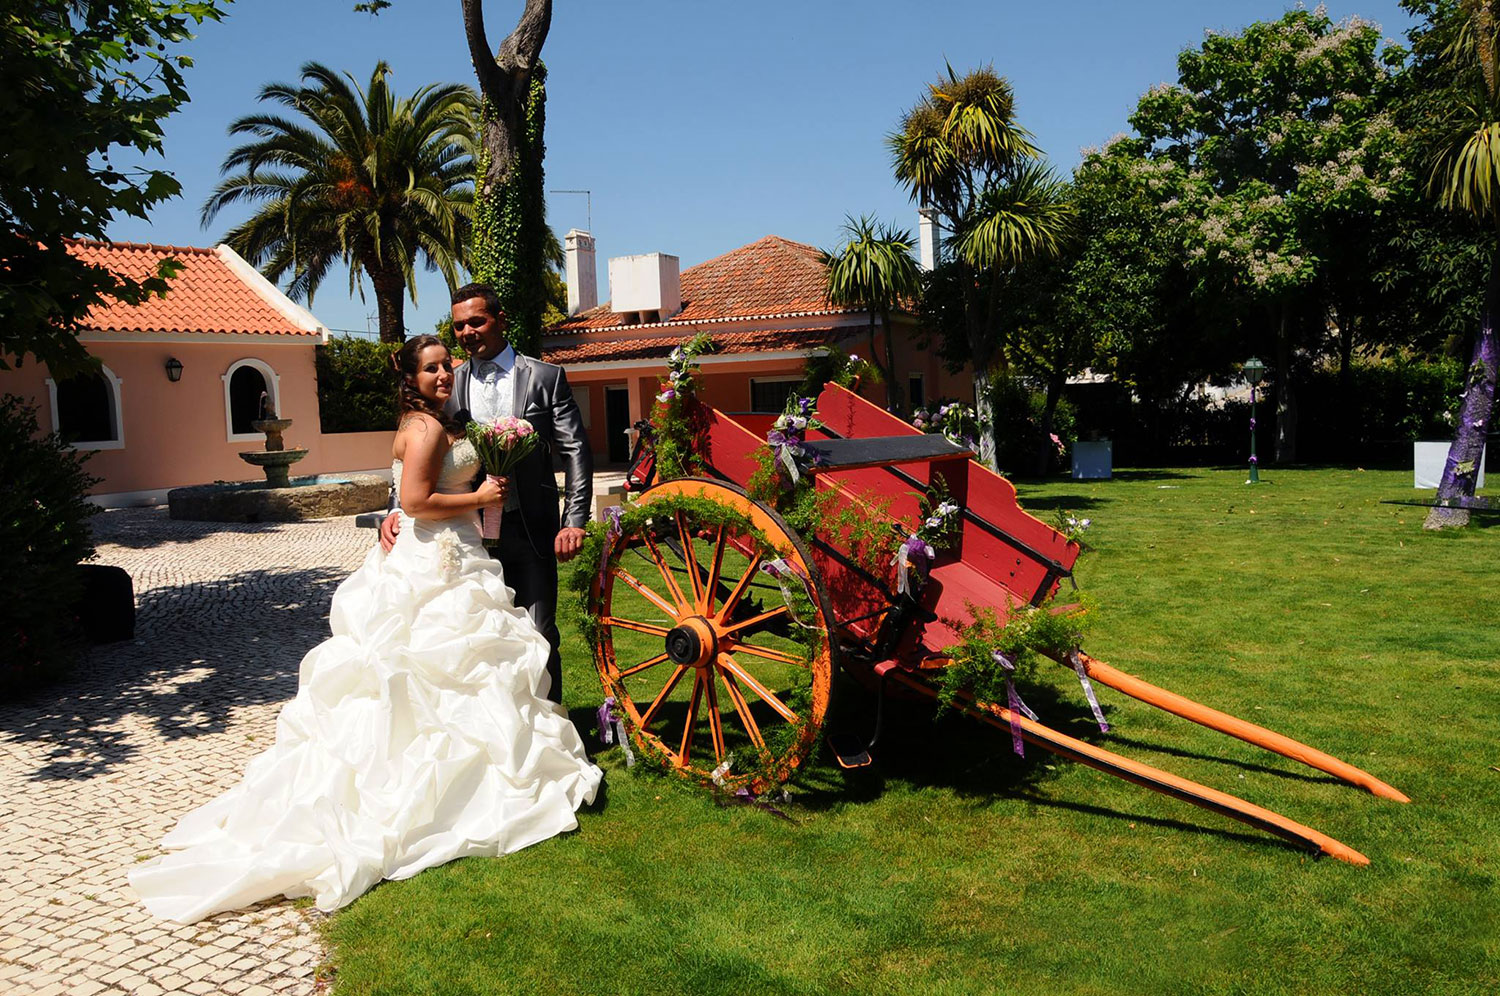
[{"x": 420, "y": 733}]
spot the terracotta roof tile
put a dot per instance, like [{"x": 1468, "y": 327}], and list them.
[
  {"x": 769, "y": 278},
  {"x": 658, "y": 346},
  {"x": 207, "y": 295}
]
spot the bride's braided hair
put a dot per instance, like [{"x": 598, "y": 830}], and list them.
[{"x": 408, "y": 399}]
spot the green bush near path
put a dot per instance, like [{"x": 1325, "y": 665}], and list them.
[{"x": 954, "y": 867}]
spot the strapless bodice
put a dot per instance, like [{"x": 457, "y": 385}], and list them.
[{"x": 456, "y": 476}]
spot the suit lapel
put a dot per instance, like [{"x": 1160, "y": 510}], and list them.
[
  {"x": 522, "y": 383},
  {"x": 460, "y": 400}
]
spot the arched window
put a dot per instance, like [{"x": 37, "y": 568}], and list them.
[
  {"x": 86, "y": 410},
  {"x": 250, "y": 393}
]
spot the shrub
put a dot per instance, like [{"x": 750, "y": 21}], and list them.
[
  {"x": 46, "y": 537},
  {"x": 356, "y": 385},
  {"x": 1019, "y": 440}
]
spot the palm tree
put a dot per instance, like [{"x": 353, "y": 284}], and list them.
[
  {"x": 1465, "y": 177},
  {"x": 875, "y": 271},
  {"x": 368, "y": 180},
  {"x": 960, "y": 151}
]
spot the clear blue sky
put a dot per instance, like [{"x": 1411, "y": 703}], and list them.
[{"x": 701, "y": 126}]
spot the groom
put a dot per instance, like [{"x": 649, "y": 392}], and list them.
[{"x": 497, "y": 381}]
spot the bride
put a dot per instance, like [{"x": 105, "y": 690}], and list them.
[{"x": 420, "y": 731}]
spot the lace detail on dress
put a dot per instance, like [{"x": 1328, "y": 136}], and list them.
[{"x": 456, "y": 477}]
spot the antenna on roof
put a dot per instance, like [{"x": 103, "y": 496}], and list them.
[{"x": 589, "y": 204}]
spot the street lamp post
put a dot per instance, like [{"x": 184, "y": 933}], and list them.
[{"x": 1254, "y": 371}]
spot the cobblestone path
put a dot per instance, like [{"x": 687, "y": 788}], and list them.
[{"x": 93, "y": 772}]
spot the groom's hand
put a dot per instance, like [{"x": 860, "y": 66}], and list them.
[
  {"x": 389, "y": 527},
  {"x": 569, "y": 541}
]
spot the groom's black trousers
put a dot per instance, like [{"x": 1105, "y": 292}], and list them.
[{"x": 534, "y": 579}]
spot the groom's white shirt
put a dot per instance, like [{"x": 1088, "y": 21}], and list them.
[{"x": 492, "y": 385}]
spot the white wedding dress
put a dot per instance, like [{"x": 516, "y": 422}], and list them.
[{"x": 420, "y": 733}]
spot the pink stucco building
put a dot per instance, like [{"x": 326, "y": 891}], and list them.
[{"x": 182, "y": 376}]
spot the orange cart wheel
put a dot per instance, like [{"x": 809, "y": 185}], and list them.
[{"x": 701, "y": 647}]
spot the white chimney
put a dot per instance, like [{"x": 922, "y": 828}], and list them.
[
  {"x": 647, "y": 286},
  {"x": 927, "y": 236},
  {"x": 583, "y": 281}
]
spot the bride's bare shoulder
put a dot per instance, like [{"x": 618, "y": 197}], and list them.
[{"x": 418, "y": 434}]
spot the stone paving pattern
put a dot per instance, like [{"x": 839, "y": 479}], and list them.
[{"x": 95, "y": 771}]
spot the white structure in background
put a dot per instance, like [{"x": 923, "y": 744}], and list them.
[
  {"x": 927, "y": 237},
  {"x": 648, "y": 286},
  {"x": 583, "y": 283}
]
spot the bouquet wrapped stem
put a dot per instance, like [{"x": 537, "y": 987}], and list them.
[{"x": 501, "y": 445}]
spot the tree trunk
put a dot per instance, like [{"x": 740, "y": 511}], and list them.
[
  {"x": 390, "y": 302},
  {"x": 1461, "y": 471},
  {"x": 892, "y": 391},
  {"x": 985, "y": 409},
  {"x": 1286, "y": 397},
  {"x": 504, "y": 80},
  {"x": 1046, "y": 448}
]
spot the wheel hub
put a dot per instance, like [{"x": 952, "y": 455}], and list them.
[{"x": 693, "y": 642}]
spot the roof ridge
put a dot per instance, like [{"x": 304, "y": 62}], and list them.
[{"x": 155, "y": 247}]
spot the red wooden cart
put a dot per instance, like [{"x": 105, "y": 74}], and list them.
[{"x": 696, "y": 627}]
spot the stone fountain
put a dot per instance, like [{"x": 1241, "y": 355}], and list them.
[
  {"x": 275, "y": 458},
  {"x": 279, "y": 498}
]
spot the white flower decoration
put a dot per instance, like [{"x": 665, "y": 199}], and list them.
[{"x": 450, "y": 553}]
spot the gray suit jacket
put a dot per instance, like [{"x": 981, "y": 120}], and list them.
[{"x": 543, "y": 398}]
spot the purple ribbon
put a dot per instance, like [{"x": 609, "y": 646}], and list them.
[
  {"x": 1088, "y": 689},
  {"x": 914, "y": 556},
  {"x": 744, "y": 797},
  {"x": 780, "y": 569},
  {"x": 612, "y": 532},
  {"x": 1017, "y": 706},
  {"x": 612, "y": 728}
]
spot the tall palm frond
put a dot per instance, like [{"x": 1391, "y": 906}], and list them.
[
  {"x": 1024, "y": 216},
  {"x": 875, "y": 270},
  {"x": 353, "y": 175}
]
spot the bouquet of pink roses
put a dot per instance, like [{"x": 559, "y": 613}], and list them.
[{"x": 501, "y": 445}]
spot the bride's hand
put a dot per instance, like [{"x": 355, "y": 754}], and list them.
[{"x": 492, "y": 492}]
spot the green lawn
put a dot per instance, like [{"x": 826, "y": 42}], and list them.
[{"x": 952, "y": 866}]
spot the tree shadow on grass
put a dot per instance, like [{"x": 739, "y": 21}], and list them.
[
  {"x": 202, "y": 651},
  {"x": 1055, "y": 503}
]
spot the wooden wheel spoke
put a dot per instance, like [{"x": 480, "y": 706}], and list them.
[
  {"x": 729, "y": 664},
  {"x": 666, "y": 572},
  {"x": 646, "y": 593},
  {"x": 639, "y": 627},
  {"x": 690, "y": 560},
  {"x": 713, "y": 573},
  {"x": 740, "y": 588},
  {"x": 643, "y": 666},
  {"x": 767, "y": 653},
  {"x": 715, "y": 721},
  {"x": 755, "y": 620},
  {"x": 692, "y": 717},
  {"x": 650, "y": 713},
  {"x": 737, "y": 697}
]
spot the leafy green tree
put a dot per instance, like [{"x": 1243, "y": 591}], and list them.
[
  {"x": 78, "y": 83},
  {"x": 961, "y": 152},
  {"x": 875, "y": 270},
  {"x": 1462, "y": 43},
  {"x": 366, "y": 179},
  {"x": 1272, "y": 147}
]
